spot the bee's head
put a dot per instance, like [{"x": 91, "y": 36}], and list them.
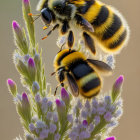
[
  {"x": 62, "y": 7},
  {"x": 46, "y": 15}
]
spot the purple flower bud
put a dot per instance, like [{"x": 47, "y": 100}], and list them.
[
  {"x": 16, "y": 25},
  {"x": 31, "y": 69},
  {"x": 49, "y": 104},
  {"x": 49, "y": 116},
  {"x": 12, "y": 87},
  {"x": 58, "y": 102},
  {"x": 94, "y": 102},
  {"x": 40, "y": 124},
  {"x": 94, "y": 110},
  {"x": 61, "y": 108},
  {"x": 17, "y": 29},
  {"x": 55, "y": 117},
  {"x": 26, "y": 57},
  {"x": 35, "y": 87},
  {"x": 79, "y": 104},
  {"x": 73, "y": 135},
  {"x": 108, "y": 116},
  {"x": 65, "y": 96},
  {"x": 118, "y": 113},
  {"x": 97, "y": 120},
  {"x": 84, "y": 135},
  {"x": 37, "y": 98},
  {"x": 31, "y": 63},
  {"x": 37, "y": 59},
  {"x": 87, "y": 105},
  {"x": 24, "y": 108},
  {"x": 91, "y": 127},
  {"x": 25, "y": 99},
  {"x": 84, "y": 114},
  {"x": 31, "y": 127},
  {"x": 26, "y": 1},
  {"x": 110, "y": 138},
  {"x": 57, "y": 136},
  {"x": 101, "y": 110},
  {"x": 117, "y": 87},
  {"x": 44, "y": 133},
  {"x": 85, "y": 123},
  {"x": 70, "y": 118},
  {"x": 52, "y": 128},
  {"x": 119, "y": 82}
]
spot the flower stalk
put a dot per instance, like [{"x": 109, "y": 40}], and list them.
[{"x": 46, "y": 117}]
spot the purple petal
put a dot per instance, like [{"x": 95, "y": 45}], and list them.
[
  {"x": 119, "y": 81},
  {"x": 31, "y": 62},
  {"x": 85, "y": 123},
  {"x": 11, "y": 82},
  {"x": 58, "y": 102},
  {"x": 25, "y": 97},
  {"x": 110, "y": 138},
  {"x": 15, "y": 25},
  {"x": 26, "y": 1}
]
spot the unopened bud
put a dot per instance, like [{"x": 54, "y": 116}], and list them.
[
  {"x": 117, "y": 88},
  {"x": 35, "y": 87},
  {"x": 110, "y": 138},
  {"x": 12, "y": 87},
  {"x": 31, "y": 69},
  {"x": 65, "y": 96}
]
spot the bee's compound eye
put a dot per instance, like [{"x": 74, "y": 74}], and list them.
[{"x": 46, "y": 15}]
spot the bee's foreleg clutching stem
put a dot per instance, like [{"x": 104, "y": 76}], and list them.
[{"x": 55, "y": 27}]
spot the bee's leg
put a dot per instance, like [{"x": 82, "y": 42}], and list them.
[
  {"x": 70, "y": 40},
  {"x": 85, "y": 25},
  {"x": 89, "y": 42},
  {"x": 61, "y": 78},
  {"x": 55, "y": 27},
  {"x": 64, "y": 28},
  {"x": 62, "y": 84}
]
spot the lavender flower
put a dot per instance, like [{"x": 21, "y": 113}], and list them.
[
  {"x": 65, "y": 96},
  {"x": 31, "y": 69},
  {"x": 117, "y": 87},
  {"x": 35, "y": 87},
  {"x": 20, "y": 38},
  {"x": 12, "y": 87},
  {"x": 110, "y": 138},
  {"x": 42, "y": 115}
]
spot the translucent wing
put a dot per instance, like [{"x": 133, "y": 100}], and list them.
[
  {"x": 100, "y": 65},
  {"x": 73, "y": 85}
]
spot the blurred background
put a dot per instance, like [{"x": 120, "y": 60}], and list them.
[{"x": 127, "y": 63}]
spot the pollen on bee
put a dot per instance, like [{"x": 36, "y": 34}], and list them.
[
  {"x": 45, "y": 27},
  {"x": 44, "y": 37},
  {"x": 30, "y": 14}
]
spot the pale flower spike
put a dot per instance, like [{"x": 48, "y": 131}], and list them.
[{"x": 47, "y": 117}]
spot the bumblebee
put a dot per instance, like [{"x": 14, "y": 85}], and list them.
[
  {"x": 80, "y": 72},
  {"x": 95, "y": 21}
]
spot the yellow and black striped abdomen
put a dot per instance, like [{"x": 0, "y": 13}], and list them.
[
  {"x": 111, "y": 29},
  {"x": 66, "y": 58},
  {"x": 87, "y": 79}
]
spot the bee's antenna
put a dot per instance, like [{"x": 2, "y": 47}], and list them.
[
  {"x": 53, "y": 73},
  {"x": 37, "y": 16},
  {"x": 56, "y": 26}
]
